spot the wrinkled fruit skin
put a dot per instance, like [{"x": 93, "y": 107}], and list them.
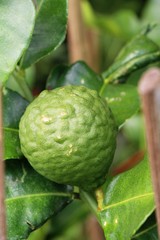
[{"x": 69, "y": 136}]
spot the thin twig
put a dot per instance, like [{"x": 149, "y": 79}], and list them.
[
  {"x": 2, "y": 194},
  {"x": 149, "y": 89}
]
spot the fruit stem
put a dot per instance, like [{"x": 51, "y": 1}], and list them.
[
  {"x": 103, "y": 87},
  {"x": 19, "y": 76},
  {"x": 89, "y": 199}
]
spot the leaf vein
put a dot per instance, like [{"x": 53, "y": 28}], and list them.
[
  {"x": 39, "y": 195},
  {"x": 127, "y": 200},
  {"x": 11, "y": 129}
]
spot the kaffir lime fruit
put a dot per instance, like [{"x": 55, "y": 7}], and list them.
[{"x": 69, "y": 136}]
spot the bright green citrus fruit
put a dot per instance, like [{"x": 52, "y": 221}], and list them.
[{"x": 69, "y": 136}]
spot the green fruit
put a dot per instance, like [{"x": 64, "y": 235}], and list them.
[{"x": 69, "y": 136}]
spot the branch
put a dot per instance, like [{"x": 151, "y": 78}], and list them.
[
  {"x": 149, "y": 89},
  {"x": 82, "y": 42},
  {"x": 2, "y": 194}
]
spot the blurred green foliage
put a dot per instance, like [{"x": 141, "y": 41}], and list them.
[{"x": 117, "y": 23}]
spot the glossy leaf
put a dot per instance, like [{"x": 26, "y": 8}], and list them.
[
  {"x": 138, "y": 53},
  {"x": 123, "y": 99},
  {"x": 16, "y": 24},
  {"x": 49, "y": 30},
  {"x": 77, "y": 74},
  {"x": 30, "y": 199},
  {"x": 55, "y": 76},
  {"x": 13, "y": 108},
  {"x": 127, "y": 202}
]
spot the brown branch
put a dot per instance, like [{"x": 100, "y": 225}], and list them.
[
  {"x": 130, "y": 163},
  {"x": 82, "y": 42},
  {"x": 76, "y": 38},
  {"x": 149, "y": 89},
  {"x": 2, "y": 195},
  {"x": 93, "y": 229}
]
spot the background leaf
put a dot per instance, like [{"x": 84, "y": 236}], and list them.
[
  {"x": 136, "y": 54},
  {"x": 13, "y": 108},
  {"x": 148, "y": 230},
  {"x": 112, "y": 23},
  {"x": 151, "y": 14},
  {"x": 149, "y": 234},
  {"x": 128, "y": 201},
  {"x": 123, "y": 99},
  {"x": 16, "y": 23},
  {"x": 49, "y": 31},
  {"x": 30, "y": 199},
  {"x": 78, "y": 73},
  {"x": 53, "y": 80}
]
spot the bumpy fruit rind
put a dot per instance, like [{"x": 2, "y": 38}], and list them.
[{"x": 69, "y": 136}]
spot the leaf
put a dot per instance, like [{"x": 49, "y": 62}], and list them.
[
  {"x": 148, "y": 230},
  {"x": 151, "y": 14},
  {"x": 30, "y": 199},
  {"x": 12, "y": 147},
  {"x": 49, "y": 31},
  {"x": 77, "y": 74},
  {"x": 149, "y": 234},
  {"x": 29, "y": 76},
  {"x": 138, "y": 53},
  {"x": 64, "y": 220},
  {"x": 127, "y": 202},
  {"x": 13, "y": 108},
  {"x": 112, "y": 23},
  {"x": 55, "y": 75},
  {"x": 16, "y": 24},
  {"x": 123, "y": 99}
]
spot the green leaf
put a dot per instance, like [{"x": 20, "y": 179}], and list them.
[
  {"x": 13, "y": 108},
  {"x": 16, "y": 24},
  {"x": 148, "y": 230},
  {"x": 55, "y": 76},
  {"x": 77, "y": 74},
  {"x": 138, "y": 53},
  {"x": 75, "y": 212},
  {"x": 112, "y": 23},
  {"x": 12, "y": 147},
  {"x": 151, "y": 14},
  {"x": 127, "y": 202},
  {"x": 123, "y": 99},
  {"x": 149, "y": 234},
  {"x": 30, "y": 199},
  {"x": 49, "y": 31}
]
